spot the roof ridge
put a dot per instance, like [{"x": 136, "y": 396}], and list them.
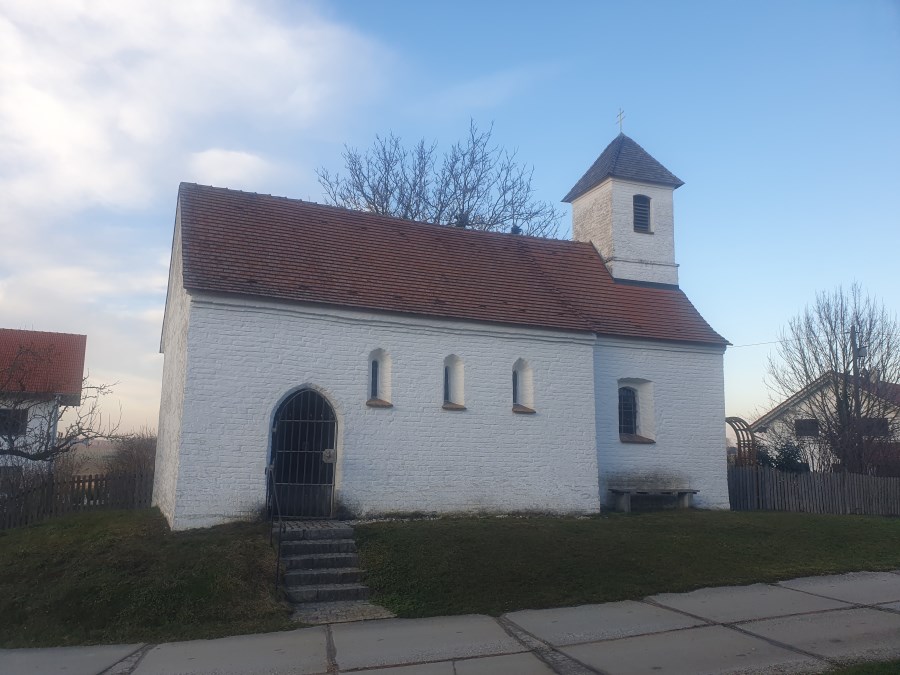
[{"x": 380, "y": 216}]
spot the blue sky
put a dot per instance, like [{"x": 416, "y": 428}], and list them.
[{"x": 781, "y": 118}]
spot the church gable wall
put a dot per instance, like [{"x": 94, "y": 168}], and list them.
[
  {"x": 416, "y": 456},
  {"x": 682, "y": 388},
  {"x": 174, "y": 346}
]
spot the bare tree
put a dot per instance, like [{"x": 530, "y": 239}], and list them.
[
  {"x": 134, "y": 453},
  {"x": 839, "y": 360},
  {"x": 36, "y": 426},
  {"x": 476, "y": 185}
]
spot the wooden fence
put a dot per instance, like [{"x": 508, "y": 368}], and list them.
[
  {"x": 57, "y": 497},
  {"x": 760, "y": 488}
]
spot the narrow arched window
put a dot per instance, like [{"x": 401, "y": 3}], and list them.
[
  {"x": 627, "y": 411},
  {"x": 454, "y": 384},
  {"x": 522, "y": 388},
  {"x": 379, "y": 379},
  {"x": 641, "y": 205},
  {"x": 373, "y": 389},
  {"x": 447, "y": 375}
]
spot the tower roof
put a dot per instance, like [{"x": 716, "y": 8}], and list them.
[{"x": 623, "y": 158}]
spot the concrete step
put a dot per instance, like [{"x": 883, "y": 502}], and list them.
[
  {"x": 319, "y": 561},
  {"x": 338, "y": 611},
  {"x": 309, "y": 546},
  {"x": 328, "y": 530},
  {"x": 327, "y": 592},
  {"x": 326, "y": 575}
]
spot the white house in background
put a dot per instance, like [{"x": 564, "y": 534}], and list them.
[
  {"x": 39, "y": 371},
  {"x": 381, "y": 365}
]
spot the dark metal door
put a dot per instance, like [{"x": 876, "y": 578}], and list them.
[{"x": 303, "y": 448}]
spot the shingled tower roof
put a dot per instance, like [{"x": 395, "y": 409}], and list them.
[{"x": 623, "y": 158}]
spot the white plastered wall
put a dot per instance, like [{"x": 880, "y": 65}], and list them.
[
  {"x": 174, "y": 345},
  {"x": 688, "y": 409},
  {"x": 246, "y": 356}
]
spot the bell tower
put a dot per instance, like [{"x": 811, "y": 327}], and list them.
[{"x": 623, "y": 205}]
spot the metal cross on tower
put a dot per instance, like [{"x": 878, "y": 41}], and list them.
[{"x": 621, "y": 117}]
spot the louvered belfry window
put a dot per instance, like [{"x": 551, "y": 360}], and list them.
[{"x": 641, "y": 213}]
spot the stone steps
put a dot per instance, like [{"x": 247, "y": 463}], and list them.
[
  {"x": 311, "y": 546},
  {"x": 321, "y": 569},
  {"x": 327, "y": 592},
  {"x": 327, "y": 575},
  {"x": 319, "y": 560}
]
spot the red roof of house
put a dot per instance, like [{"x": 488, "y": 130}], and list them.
[
  {"x": 35, "y": 362},
  {"x": 287, "y": 249}
]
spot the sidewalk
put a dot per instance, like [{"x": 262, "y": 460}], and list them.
[{"x": 804, "y": 625}]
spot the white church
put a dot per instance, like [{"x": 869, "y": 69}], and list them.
[{"x": 336, "y": 363}]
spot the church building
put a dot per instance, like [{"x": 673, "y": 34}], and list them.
[{"x": 326, "y": 362}]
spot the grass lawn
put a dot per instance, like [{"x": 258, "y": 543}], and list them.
[
  {"x": 496, "y": 565},
  {"x": 122, "y": 576}
]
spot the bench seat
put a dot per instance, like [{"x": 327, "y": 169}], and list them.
[{"x": 623, "y": 496}]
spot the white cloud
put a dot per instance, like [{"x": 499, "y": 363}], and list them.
[
  {"x": 99, "y": 96},
  {"x": 228, "y": 168},
  {"x": 104, "y": 106}
]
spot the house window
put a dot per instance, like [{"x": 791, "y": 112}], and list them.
[
  {"x": 637, "y": 423},
  {"x": 806, "y": 428},
  {"x": 522, "y": 388},
  {"x": 641, "y": 205},
  {"x": 379, "y": 379},
  {"x": 454, "y": 385},
  {"x": 875, "y": 426},
  {"x": 13, "y": 422},
  {"x": 627, "y": 411}
]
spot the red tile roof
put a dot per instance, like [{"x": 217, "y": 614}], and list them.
[
  {"x": 35, "y": 362},
  {"x": 259, "y": 245}
]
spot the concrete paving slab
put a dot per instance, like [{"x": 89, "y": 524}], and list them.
[
  {"x": 394, "y": 642},
  {"x": 589, "y": 623},
  {"x": 694, "y": 651},
  {"x": 847, "y": 635},
  {"x": 728, "y": 604},
  {"x": 441, "y": 668},
  {"x": 298, "y": 652},
  {"x": 513, "y": 664},
  {"x": 865, "y": 588},
  {"x": 68, "y": 660}
]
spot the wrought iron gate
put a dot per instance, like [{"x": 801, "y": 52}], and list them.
[{"x": 303, "y": 455}]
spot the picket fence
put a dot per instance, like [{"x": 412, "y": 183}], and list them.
[
  {"x": 761, "y": 488},
  {"x": 55, "y": 497}
]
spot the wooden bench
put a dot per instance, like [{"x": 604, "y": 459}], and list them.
[{"x": 623, "y": 496}]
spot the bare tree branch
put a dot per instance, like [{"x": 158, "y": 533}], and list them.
[
  {"x": 844, "y": 350},
  {"x": 476, "y": 183},
  {"x": 40, "y": 427}
]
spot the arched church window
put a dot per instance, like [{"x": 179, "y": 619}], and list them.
[
  {"x": 454, "y": 384},
  {"x": 379, "y": 379},
  {"x": 522, "y": 388},
  {"x": 627, "y": 411},
  {"x": 641, "y": 205}
]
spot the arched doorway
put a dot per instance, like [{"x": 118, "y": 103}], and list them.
[{"x": 303, "y": 455}]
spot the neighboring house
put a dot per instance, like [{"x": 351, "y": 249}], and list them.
[
  {"x": 38, "y": 372},
  {"x": 384, "y": 366},
  {"x": 811, "y": 419}
]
